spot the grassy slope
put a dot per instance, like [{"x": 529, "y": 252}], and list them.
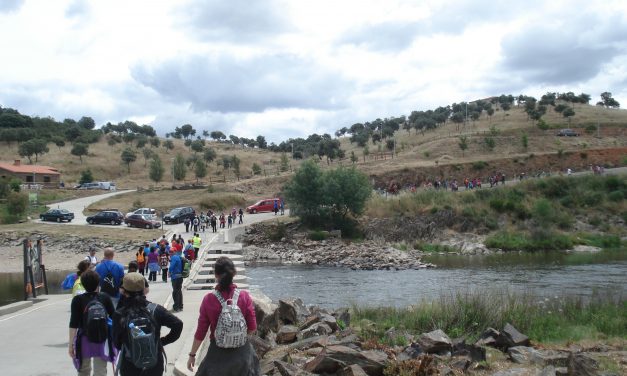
[{"x": 439, "y": 145}]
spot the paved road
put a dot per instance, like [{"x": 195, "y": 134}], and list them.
[
  {"x": 36, "y": 339},
  {"x": 78, "y": 205}
]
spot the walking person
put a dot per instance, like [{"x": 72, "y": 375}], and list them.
[
  {"x": 89, "y": 338},
  {"x": 196, "y": 223},
  {"x": 91, "y": 257},
  {"x": 196, "y": 242},
  {"x": 164, "y": 261},
  {"x": 222, "y": 220},
  {"x": 282, "y": 207},
  {"x": 241, "y": 216},
  {"x": 275, "y": 209},
  {"x": 230, "y": 221},
  {"x": 153, "y": 265},
  {"x": 214, "y": 223},
  {"x": 111, "y": 274},
  {"x": 78, "y": 288},
  {"x": 140, "y": 257},
  {"x": 148, "y": 318},
  {"x": 230, "y": 352},
  {"x": 187, "y": 223},
  {"x": 176, "y": 276}
]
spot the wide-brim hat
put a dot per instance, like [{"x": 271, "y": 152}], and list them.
[{"x": 133, "y": 282}]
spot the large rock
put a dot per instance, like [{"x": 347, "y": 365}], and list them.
[
  {"x": 352, "y": 370},
  {"x": 317, "y": 329},
  {"x": 320, "y": 341},
  {"x": 515, "y": 372},
  {"x": 261, "y": 346},
  {"x": 330, "y": 321},
  {"x": 343, "y": 315},
  {"x": 410, "y": 352},
  {"x": 266, "y": 315},
  {"x": 475, "y": 353},
  {"x": 286, "y": 369},
  {"x": 435, "y": 342},
  {"x": 488, "y": 338},
  {"x": 286, "y": 334},
  {"x": 580, "y": 364},
  {"x": 292, "y": 311},
  {"x": 334, "y": 358},
  {"x": 510, "y": 337}
]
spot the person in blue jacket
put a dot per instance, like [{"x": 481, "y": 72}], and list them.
[
  {"x": 110, "y": 286},
  {"x": 176, "y": 276}
]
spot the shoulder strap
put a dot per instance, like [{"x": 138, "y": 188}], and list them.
[
  {"x": 151, "y": 308},
  {"x": 235, "y": 297},
  {"x": 219, "y": 296}
]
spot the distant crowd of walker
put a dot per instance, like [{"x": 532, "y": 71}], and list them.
[{"x": 112, "y": 322}]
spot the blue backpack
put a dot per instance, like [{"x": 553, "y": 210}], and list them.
[{"x": 68, "y": 282}]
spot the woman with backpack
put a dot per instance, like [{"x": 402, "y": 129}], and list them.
[
  {"x": 78, "y": 287},
  {"x": 164, "y": 262},
  {"x": 90, "y": 340},
  {"x": 140, "y": 257},
  {"x": 137, "y": 331},
  {"x": 153, "y": 265},
  {"x": 230, "y": 353}
]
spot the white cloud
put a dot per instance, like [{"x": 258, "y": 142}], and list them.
[{"x": 287, "y": 69}]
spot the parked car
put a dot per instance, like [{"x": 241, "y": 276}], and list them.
[
  {"x": 265, "y": 205},
  {"x": 107, "y": 185},
  {"x": 148, "y": 212},
  {"x": 567, "y": 133},
  {"x": 111, "y": 217},
  {"x": 138, "y": 220},
  {"x": 178, "y": 215},
  {"x": 58, "y": 215},
  {"x": 89, "y": 186}
]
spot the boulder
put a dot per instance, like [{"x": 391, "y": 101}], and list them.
[
  {"x": 334, "y": 358},
  {"x": 286, "y": 369},
  {"x": 434, "y": 342},
  {"x": 521, "y": 354},
  {"x": 488, "y": 338},
  {"x": 410, "y": 352},
  {"x": 510, "y": 337},
  {"x": 330, "y": 321},
  {"x": 292, "y": 311},
  {"x": 475, "y": 353},
  {"x": 309, "y": 321},
  {"x": 261, "y": 347},
  {"x": 586, "y": 248},
  {"x": 317, "y": 329},
  {"x": 320, "y": 341},
  {"x": 343, "y": 315},
  {"x": 514, "y": 372},
  {"x": 580, "y": 364},
  {"x": 286, "y": 334},
  {"x": 352, "y": 370},
  {"x": 460, "y": 363}
]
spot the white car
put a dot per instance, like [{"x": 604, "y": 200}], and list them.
[{"x": 146, "y": 212}]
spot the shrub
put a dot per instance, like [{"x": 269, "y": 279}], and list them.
[
  {"x": 616, "y": 196},
  {"x": 601, "y": 240},
  {"x": 317, "y": 235},
  {"x": 86, "y": 177},
  {"x": 583, "y": 155},
  {"x": 17, "y": 204},
  {"x": 276, "y": 232},
  {"x": 479, "y": 165},
  {"x": 590, "y": 129},
  {"x": 15, "y": 184}
]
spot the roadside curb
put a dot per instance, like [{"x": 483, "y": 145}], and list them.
[{"x": 14, "y": 307}]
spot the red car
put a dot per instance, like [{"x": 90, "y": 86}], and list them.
[
  {"x": 136, "y": 220},
  {"x": 265, "y": 205}
]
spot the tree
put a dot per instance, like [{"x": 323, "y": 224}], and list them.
[
  {"x": 543, "y": 125},
  {"x": 568, "y": 113},
  {"x": 226, "y": 162},
  {"x": 235, "y": 161},
  {"x": 17, "y": 204},
  {"x": 234, "y": 139},
  {"x": 187, "y": 130},
  {"x": 178, "y": 167},
  {"x": 168, "y": 145},
  {"x": 128, "y": 156},
  {"x": 608, "y": 101},
  {"x": 209, "y": 155},
  {"x": 345, "y": 191},
  {"x": 457, "y": 118},
  {"x": 86, "y": 123},
  {"x": 72, "y": 133},
  {"x": 86, "y": 177},
  {"x": 365, "y": 152},
  {"x": 34, "y": 147},
  {"x": 147, "y": 155},
  {"x": 156, "y": 169},
  {"x": 354, "y": 158},
  {"x": 58, "y": 141},
  {"x": 218, "y": 136},
  {"x": 285, "y": 162},
  {"x": 79, "y": 149},
  {"x": 305, "y": 192},
  {"x": 463, "y": 143},
  {"x": 261, "y": 142},
  {"x": 256, "y": 169},
  {"x": 205, "y": 134},
  {"x": 200, "y": 170},
  {"x": 155, "y": 142},
  {"x": 197, "y": 146},
  {"x": 490, "y": 143},
  {"x": 524, "y": 140}
]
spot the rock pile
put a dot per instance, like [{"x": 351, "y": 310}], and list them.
[
  {"x": 296, "y": 248},
  {"x": 298, "y": 340},
  {"x": 67, "y": 243}
]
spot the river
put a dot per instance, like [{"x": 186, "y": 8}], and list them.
[{"x": 540, "y": 274}]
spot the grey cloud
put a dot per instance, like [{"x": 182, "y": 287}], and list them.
[
  {"x": 7, "y": 6},
  {"x": 77, "y": 9},
  {"x": 386, "y": 36},
  {"x": 235, "y": 20},
  {"x": 560, "y": 55},
  {"x": 226, "y": 84}
]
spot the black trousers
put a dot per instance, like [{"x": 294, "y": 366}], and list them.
[
  {"x": 164, "y": 275},
  {"x": 177, "y": 293}
]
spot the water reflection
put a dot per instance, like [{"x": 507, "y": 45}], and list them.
[{"x": 12, "y": 285}]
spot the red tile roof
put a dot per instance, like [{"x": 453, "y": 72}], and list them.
[{"x": 29, "y": 169}]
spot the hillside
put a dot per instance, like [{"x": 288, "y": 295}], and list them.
[{"x": 415, "y": 150}]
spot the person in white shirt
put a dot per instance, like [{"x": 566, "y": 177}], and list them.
[{"x": 93, "y": 260}]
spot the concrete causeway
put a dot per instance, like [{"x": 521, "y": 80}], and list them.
[{"x": 36, "y": 338}]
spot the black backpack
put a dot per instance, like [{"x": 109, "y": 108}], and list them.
[
  {"x": 107, "y": 285},
  {"x": 142, "y": 345},
  {"x": 95, "y": 319}
]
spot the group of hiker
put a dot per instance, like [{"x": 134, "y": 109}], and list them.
[
  {"x": 112, "y": 321},
  {"x": 202, "y": 221}
]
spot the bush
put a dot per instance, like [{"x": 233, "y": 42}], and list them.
[
  {"x": 590, "y": 129},
  {"x": 601, "y": 240},
  {"x": 86, "y": 177},
  {"x": 540, "y": 239},
  {"x": 17, "y": 204},
  {"x": 616, "y": 196},
  {"x": 276, "y": 232},
  {"x": 479, "y": 165},
  {"x": 317, "y": 235},
  {"x": 15, "y": 184}
]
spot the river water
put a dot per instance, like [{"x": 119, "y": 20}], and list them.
[{"x": 540, "y": 274}]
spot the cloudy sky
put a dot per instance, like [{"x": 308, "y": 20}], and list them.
[{"x": 292, "y": 68}]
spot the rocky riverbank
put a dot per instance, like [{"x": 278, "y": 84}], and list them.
[
  {"x": 60, "y": 253},
  {"x": 296, "y": 247},
  {"x": 294, "y": 339}
]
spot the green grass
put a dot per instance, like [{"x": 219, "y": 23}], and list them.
[
  {"x": 469, "y": 314},
  {"x": 434, "y": 248}
]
